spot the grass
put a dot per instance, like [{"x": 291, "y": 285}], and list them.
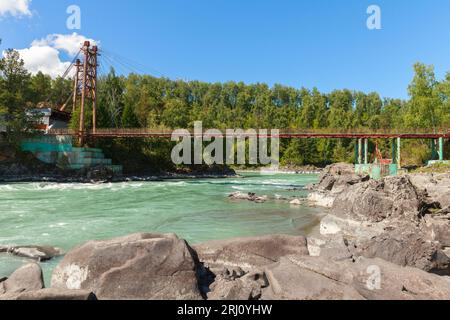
[{"x": 436, "y": 168}]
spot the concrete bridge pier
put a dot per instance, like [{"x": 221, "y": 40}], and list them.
[{"x": 441, "y": 149}]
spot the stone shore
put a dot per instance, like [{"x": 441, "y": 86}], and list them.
[{"x": 382, "y": 240}]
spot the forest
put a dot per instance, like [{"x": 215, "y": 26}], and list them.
[{"x": 145, "y": 101}]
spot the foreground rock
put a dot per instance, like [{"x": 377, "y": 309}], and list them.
[
  {"x": 51, "y": 294},
  {"x": 24, "y": 279},
  {"x": 140, "y": 266},
  {"x": 154, "y": 266},
  {"x": 407, "y": 246},
  {"x": 234, "y": 268},
  {"x": 435, "y": 186},
  {"x": 400, "y": 219},
  {"x": 249, "y": 254},
  {"x": 315, "y": 278},
  {"x": 39, "y": 253}
]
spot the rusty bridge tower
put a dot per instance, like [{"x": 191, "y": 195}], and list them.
[{"x": 85, "y": 87}]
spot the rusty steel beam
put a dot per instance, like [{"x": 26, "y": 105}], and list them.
[{"x": 287, "y": 134}]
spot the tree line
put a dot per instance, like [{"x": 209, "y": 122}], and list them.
[{"x": 135, "y": 101}]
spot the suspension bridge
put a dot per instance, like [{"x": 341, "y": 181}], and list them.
[{"x": 85, "y": 85}]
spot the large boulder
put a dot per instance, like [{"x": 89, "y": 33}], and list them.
[
  {"x": 407, "y": 246},
  {"x": 139, "y": 266},
  {"x": 26, "y": 278},
  {"x": 307, "y": 278},
  {"x": 233, "y": 269},
  {"x": 375, "y": 201},
  {"x": 337, "y": 176},
  {"x": 435, "y": 186},
  {"x": 335, "y": 179},
  {"x": 290, "y": 281},
  {"x": 396, "y": 282},
  {"x": 249, "y": 254}
]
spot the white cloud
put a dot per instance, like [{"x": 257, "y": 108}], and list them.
[
  {"x": 70, "y": 43},
  {"x": 44, "y": 54},
  {"x": 45, "y": 59},
  {"x": 15, "y": 8}
]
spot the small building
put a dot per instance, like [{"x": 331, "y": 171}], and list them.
[{"x": 50, "y": 118}]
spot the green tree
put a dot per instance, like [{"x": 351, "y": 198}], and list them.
[
  {"x": 14, "y": 89},
  {"x": 129, "y": 119}
]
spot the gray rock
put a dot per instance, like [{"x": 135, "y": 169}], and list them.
[
  {"x": 436, "y": 187},
  {"x": 407, "y": 246},
  {"x": 375, "y": 201},
  {"x": 248, "y": 196},
  {"x": 351, "y": 229},
  {"x": 437, "y": 228},
  {"x": 317, "y": 278},
  {"x": 52, "y": 294},
  {"x": 26, "y": 278},
  {"x": 140, "y": 266},
  {"x": 334, "y": 247},
  {"x": 245, "y": 288},
  {"x": 249, "y": 254},
  {"x": 291, "y": 281},
  {"x": 334, "y": 180},
  {"x": 397, "y": 283},
  {"x": 38, "y": 253}
]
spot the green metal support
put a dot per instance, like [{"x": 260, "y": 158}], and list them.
[
  {"x": 366, "y": 151},
  {"x": 434, "y": 152},
  {"x": 441, "y": 149},
  {"x": 360, "y": 151},
  {"x": 394, "y": 153},
  {"x": 399, "y": 153}
]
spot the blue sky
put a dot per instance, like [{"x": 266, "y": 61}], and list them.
[{"x": 320, "y": 43}]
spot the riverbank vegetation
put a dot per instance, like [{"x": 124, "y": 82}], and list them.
[{"x": 148, "y": 102}]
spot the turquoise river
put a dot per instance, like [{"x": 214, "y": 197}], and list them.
[{"x": 67, "y": 215}]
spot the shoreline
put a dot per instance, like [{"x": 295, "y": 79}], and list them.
[
  {"x": 156, "y": 178},
  {"x": 75, "y": 177}
]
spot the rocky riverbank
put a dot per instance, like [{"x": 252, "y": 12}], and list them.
[
  {"x": 386, "y": 239},
  {"x": 156, "y": 266},
  {"x": 404, "y": 219},
  {"x": 17, "y": 172}
]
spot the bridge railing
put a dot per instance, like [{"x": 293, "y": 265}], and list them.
[{"x": 326, "y": 133}]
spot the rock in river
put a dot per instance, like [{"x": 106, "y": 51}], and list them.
[
  {"x": 139, "y": 266},
  {"x": 248, "y": 196},
  {"x": 39, "y": 253},
  {"x": 26, "y": 278}
]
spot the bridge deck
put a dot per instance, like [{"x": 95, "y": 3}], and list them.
[{"x": 285, "y": 133}]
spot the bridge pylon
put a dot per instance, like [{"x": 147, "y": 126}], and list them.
[{"x": 85, "y": 83}]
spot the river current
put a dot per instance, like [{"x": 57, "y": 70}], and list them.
[{"x": 67, "y": 215}]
